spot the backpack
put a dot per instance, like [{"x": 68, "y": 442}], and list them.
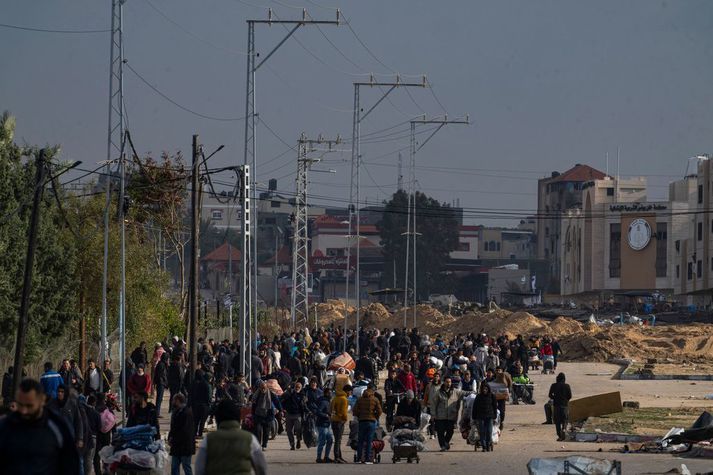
[{"x": 108, "y": 421}]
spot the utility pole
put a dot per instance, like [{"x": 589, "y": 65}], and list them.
[
  {"x": 29, "y": 265},
  {"x": 300, "y": 247},
  {"x": 251, "y": 118},
  {"x": 194, "y": 273},
  {"x": 411, "y": 233},
  {"x": 355, "y": 185},
  {"x": 115, "y": 138}
]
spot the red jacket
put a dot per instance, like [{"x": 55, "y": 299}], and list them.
[
  {"x": 408, "y": 380},
  {"x": 137, "y": 384}
]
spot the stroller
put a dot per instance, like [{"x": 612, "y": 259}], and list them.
[
  {"x": 377, "y": 445},
  {"x": 548, "y": 364}
]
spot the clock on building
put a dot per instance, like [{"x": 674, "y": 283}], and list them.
[{"x": 639, "y": 234}]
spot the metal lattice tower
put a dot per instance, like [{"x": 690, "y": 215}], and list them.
[
  {"x": 115, "y": 137},
  {"x": 300, "y": 241},
  {"x": 249, "y": 251},
  {"x": 355, "y": 184},
  {"x": 116, "y": 130}
]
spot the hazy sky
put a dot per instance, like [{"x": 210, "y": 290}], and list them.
[{"x": 547, "y": 84}]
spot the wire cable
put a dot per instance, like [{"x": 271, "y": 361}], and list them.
[
  {"x": 47, "y": 30},
  {"x": 190, "y": 33},
  {"x": 180, "y": 106}
]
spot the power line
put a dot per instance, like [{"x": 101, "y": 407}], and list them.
[
  {"x": 47, "y": 30},
  {"x": 180, "y": 106},
  {"x": 190, "y": 33}
]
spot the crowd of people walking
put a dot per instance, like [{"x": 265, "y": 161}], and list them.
[{"x": 297, "y": 384}]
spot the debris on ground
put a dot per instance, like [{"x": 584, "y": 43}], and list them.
[{"x": 585, "y": 465}]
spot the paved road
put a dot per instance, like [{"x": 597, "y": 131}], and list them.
[{"x": 524, "y": 436}]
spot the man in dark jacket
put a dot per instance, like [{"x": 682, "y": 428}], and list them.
[
  {"x": 485, "y": 411},
  {"x": 143, "y": 412},
  {"x": 35, "y": 440},
  {"x": 560, "y": 393},
  {"x": 410, "y": 407},
  {"x": 324, "y": 427},
  {"x": 182, "y": 436},
  {"x": 367, "y": 365},
  {"x": 293, "y": 402},
  {"x": 160, "y": 380},
  {"x": 200, "y": 401},
  {"x": 92, "y": 426},
  {"x": 265, "y": 405},
  {"x": 140, "y": 355},
  {"x": 176, "y": 374},
  {"x": 67, "y": 406}
]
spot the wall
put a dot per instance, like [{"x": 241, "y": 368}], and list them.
[{"x": 638, "y": 268}]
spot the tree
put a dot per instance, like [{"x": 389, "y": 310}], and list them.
[
  {"x": 67, "y": 280},
  {"x": 438, "y": 228},
  {"x": 158, "y": 195}
]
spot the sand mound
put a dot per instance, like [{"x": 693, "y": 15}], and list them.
[
  {"x": 427, "y": 318},
  {"x": 332, "y": 311},
  {"x": 500, "y": 322},
  {"x": 562, "y": 326},
  {"x": 678, "y": 343},
  {"x": 374, "y": 315}
]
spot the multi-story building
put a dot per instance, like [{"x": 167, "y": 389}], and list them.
[
  {"x": 618, "y": 242},
  {"x": 555, "y": 194},
  {"x": 693, "y": 249}
]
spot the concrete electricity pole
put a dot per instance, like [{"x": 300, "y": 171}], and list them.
[
  {"x": 411, "y": 233},
  {"x": 40, "y": 172},
  {"x": 355, "y": 185},
  {"x": 193, "y": 298}
]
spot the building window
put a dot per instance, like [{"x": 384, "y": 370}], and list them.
[
  {"x": 512, "y": 257},
  {"x": 700, "y": 194},
  {"x": 547, "y": 232},
  {"x": 700, "y": 231},
  {"x": 690, "y": 270},
  {"x": 661, "y": 249},
  {"x": 497, "y": 244},
  {"x": 274, "y": 204},
  {"x": 678, "y": 246},
  {"x": 615, "y": 250},
  {"x": 464, "y": 246},
  {"x": 699, "y": 269},
  {"x": 678, "y": 270},
  {"x": 216, "y": 215},
  {"x": 610, "y": 191}
]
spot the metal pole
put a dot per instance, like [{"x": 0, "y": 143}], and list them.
[
  {"x": 122, "y": 238},
  {"x": 249, "y": 149},
  {"x": 346, "y": 277},
  {"x": 275, "y": 268},
  {"x": 29, "y": 264},
  {"x": 355, "y": 202},
  {"x": 413, "y": 228},
  {"x": 230, "y": 291}
]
